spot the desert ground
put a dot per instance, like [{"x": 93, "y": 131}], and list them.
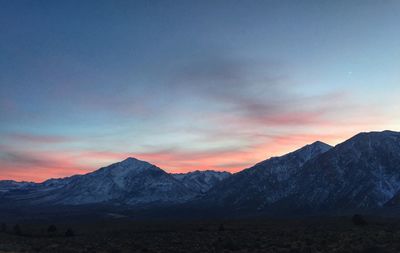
[{"x": 338, "y": 234}]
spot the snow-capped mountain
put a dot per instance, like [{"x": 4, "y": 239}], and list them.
[
  {"x": 130, "y": 182},
  {"x": 9, "y": 185},
  {"x": 201, "y": 181},
  {"x": 360, "y": 173},
  {"x": 264, "y": 183}
]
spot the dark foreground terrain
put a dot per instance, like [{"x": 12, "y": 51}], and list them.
[{"x": 117, "y": 235}]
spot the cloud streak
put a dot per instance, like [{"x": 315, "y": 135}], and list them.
[
  {"x": 39, "y": 139},
  {"x": 217, "y": 112},
  {"x": 256, "y": 93}
]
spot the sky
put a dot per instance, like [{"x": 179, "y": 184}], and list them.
[{"x": 189, "y": 85}]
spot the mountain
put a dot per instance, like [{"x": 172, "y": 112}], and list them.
[
  {"x": 201, "y": 181},
  {"x": 360, "y": 173},
  {"x": 10, "y": 185},
  {"x": 264, "y": 183},
  {"x": 130, "y": 182}
]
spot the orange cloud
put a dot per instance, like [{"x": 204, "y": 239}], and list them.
[
  {"x": 41, "y": 165},
  {"x": 37, "y": 166}
]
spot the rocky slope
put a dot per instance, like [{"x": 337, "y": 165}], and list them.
[
  {"x": 130, "y": 182},
  {"x": 362, "y": 173},
  {"x": 265, "y": 183},
  {"x": 201, "y": 181}
]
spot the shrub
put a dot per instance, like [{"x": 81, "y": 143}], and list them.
[
  {"x": 51, "y": 229},
  {"x": 373, "y": 249},
  {"x": 359, "y": 220},
  {"x": 3, "y": 227},
  {"x": 200, "y": 229},
  {"x": 17, "y": 230},
  {"x": 69, "y": 233},
  {"x": 230, "y": 245}
]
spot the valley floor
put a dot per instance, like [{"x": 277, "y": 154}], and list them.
[{"x": 311, "y": 235}]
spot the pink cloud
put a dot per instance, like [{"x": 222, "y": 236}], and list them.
[{"x": 37, "y": 166}]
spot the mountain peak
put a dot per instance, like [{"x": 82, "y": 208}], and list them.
[
  {"x": 131, "y": 160},
  {"x": 311, "y": 150},
  {"x": 368, "y": 139},
  {"x": 134, "y": 162},
  {"x": 319, "y": 143},
  {"x": 377, "y": 134},
  {"x": 127, "y": 166}
]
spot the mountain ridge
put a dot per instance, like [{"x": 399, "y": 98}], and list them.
[
  {"x": 255, "y": 186},
  {"x": 130, "y": 182},
  {"x": 361, "y": 173}
]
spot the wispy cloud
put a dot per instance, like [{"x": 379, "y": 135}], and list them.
[
  {"x": 254, "y": 92},
  {"x": 36, "y": 166},
  {"x": 224, "y": 113},
  {"x": 37, "y": 138}
]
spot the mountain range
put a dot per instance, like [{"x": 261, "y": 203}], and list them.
[
  {"x": 130, "y": 182},
  {"x": 362, "y": 173}
]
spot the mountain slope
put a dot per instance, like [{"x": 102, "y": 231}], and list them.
[
  {"x": 130, "y": 182},
  {"x": 360, "y": 173},
  {"x": 9, "y": 185},
  {"x": 264, "y": 183},
  {"x": 201, "y": 181}
]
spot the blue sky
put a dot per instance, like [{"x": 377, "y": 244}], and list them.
[{"x": 189, "y": 84}]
